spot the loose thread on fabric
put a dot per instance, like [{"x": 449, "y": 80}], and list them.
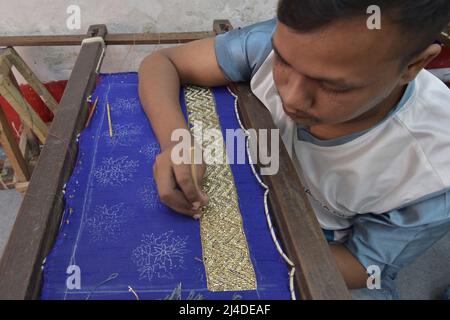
[
  {"x": 130, "y": 289},
  {"x": 110, "y": 278},
  {"x": 91, "y": 112}
]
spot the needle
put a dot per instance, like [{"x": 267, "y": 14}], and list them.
[
  {"x": 109, "y": 119},
  {"x": 194, "y": 169},
  {"x": 92, "y": 112}
]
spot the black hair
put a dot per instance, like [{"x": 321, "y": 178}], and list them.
[{"x": 420, "y": 21}]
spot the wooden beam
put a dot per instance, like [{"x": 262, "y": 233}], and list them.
[
  {"x": 12, "y": 150},
  {"x": 39, "y": 216},
  {"x": 126, "y": 38},
  {"x": 31, "y": 78},
  {"x": 29, "y": 144},
  {"x": 16, "y": 152},
  {"x": 110, "y": 39},
  {"x": 26, "y": 113}
]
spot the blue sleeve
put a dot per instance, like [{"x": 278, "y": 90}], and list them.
[
  {"x": 240, "y": 52},
  {"x": 394, "y": 239}
]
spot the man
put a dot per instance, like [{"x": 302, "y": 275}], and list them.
[{"x": 368, "y": 126}]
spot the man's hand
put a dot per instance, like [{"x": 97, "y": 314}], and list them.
[{"x": 176, "y": 185}]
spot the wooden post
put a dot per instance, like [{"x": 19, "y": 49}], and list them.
[
  {"x": 29, "y": 144},
  {"x": 31, "y": 78},
  {"x": 12, "y": 150},
  {"x": 26, "y": 113}
]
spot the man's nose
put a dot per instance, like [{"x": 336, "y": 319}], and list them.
[{"x": 299, "y": 94}]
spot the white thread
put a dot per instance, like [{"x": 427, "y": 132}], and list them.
[
  {"x": 17, "y": 131},
  {"x": 266, "y": 207},
  {"x": 115, "y": 171},
  {"x": 158, "y": 255},
  {"x": 110, "y": 278},
  {"x": 102, "y": 55},
  {"x": 93, "y": 40},
  {"x": 130, "y": 289}
]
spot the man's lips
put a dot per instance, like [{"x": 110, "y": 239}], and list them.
[{"x": 299, "y": 115}]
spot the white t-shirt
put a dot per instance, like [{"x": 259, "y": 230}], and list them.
[{"x": 408, "y": 153}]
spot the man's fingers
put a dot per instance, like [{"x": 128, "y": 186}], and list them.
[
  {"x": 179, "y": 203},
  {"x": 183, "y": 176},
  {"x": 169, "y": 195}
]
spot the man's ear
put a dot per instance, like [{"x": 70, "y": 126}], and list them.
[{"x": 420, "y": 61}]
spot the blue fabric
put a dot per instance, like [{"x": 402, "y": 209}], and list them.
[
  {"x": 114, "y": 223},
  {"x": 240, "y": 52},
  {"x": 387, "y": 291}
]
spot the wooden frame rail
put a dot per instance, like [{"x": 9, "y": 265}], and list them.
[
  {"x": 39, "y": 216},
  {"x": 130, "y": 38},
  {"x": 110, "y": 39},
  {"x": 36, "y": 227}
]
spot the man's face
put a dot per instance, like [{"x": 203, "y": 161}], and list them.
[{"x": 335, "y": 75}]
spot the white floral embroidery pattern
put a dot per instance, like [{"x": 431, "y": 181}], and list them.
[
  {"x": 123, "y": 135},
  {"x": 149, "y": 195},
  {"x": 115, "y": 172},
  {"x": 150, "y": 151},
  {"x": 105, "y": 223},
  {"x": 157, "y": 256},
  {"x": 123, "y": 106}
]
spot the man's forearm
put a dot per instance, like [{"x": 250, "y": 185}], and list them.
[
  {"x": 354, "y": 274},
  {"x": 159, "y": 86}
]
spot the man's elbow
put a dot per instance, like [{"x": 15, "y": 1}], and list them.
[{"x": 355, "y": 275}]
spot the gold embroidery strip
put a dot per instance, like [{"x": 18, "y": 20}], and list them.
[{"x": 225, "y": 250}]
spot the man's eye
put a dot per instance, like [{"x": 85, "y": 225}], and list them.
[{"x": 334, "y": 91}]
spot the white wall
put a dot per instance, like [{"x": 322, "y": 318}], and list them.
[{"x": 39, "y": 17}]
